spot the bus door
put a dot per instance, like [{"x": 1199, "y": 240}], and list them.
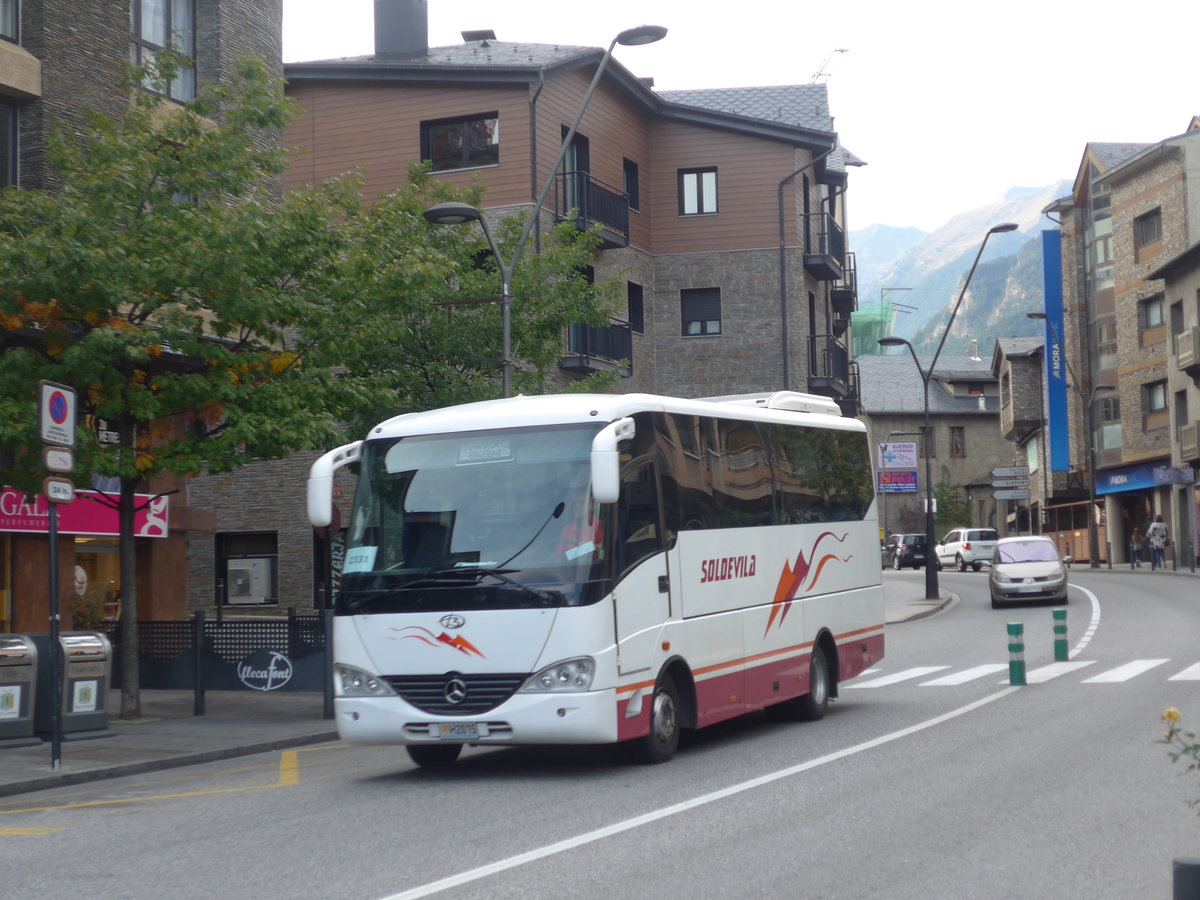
[{"x": 642, "y": 598}]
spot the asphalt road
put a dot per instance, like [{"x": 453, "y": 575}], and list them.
[{"x": 930, "y": 777}]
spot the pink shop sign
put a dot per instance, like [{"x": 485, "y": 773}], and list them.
[{"x": 88, "y": 514}]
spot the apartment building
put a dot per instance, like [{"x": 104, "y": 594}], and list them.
[
  {"x": 58, "y": 58},
  {"x": 722, "y": 210},
  {"x": 1131, "y": 223}
]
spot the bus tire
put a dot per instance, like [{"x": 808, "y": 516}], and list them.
[
  {"x": 434, "y": 756},
  {"x": 663, "y": 740},
  {"x": 812, "y": 705}
]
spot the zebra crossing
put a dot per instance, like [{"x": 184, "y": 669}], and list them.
[{"x": 1040, "y": 675}]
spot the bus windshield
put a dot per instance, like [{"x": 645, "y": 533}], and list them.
[{"x": 485, "y": 519}]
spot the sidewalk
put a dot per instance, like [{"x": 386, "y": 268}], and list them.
[{"x": 236, "y": 723}]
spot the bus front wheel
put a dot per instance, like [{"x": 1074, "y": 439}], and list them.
[
  {"x": 663, "y": 740},
  {"x": 434, "y": 756}
]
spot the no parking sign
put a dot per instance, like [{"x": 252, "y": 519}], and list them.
[{"x": 56, "y": 414}]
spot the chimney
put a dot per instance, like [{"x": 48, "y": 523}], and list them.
[{"x": 401, "y": 27}]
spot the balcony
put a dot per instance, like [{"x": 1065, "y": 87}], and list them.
[
  {"x": 843, "y": 293},
  {"x": 825, "y": 259},
  {"x": 1189, "y": 442},
  {"x": 1187, "y": 353},
  {"x": 587, "y": 201},
  {"x": 830, "y": 372},
  {"x": 599, "y": 348}
]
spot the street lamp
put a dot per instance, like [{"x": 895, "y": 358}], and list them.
[
  {"x": 931, "y": 576},
  {"x": 1089, "y": 435},
  {"x": 458, "y": 213}
]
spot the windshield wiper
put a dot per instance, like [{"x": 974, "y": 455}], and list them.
[{"x": 476, "y": 571}]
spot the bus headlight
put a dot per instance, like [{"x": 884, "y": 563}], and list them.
[
  {"x": 354, "y": 682},
  {"x": 568, "y": 675}
]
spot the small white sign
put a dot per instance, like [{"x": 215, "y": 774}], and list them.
[
  {"x": 84, "y": 696},
  {"x": 10, "y": 701},
  {"x": 58, "y": 490},
  {"x": 360, "y": 559},
  {"x": 58, "y": 459},
  {"x": 898, "y": 455}
]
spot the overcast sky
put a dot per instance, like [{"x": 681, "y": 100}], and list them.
[{"x": 949, "y": 103}]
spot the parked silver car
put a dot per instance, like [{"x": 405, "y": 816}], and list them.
[
  {"x": 965, "y": 547},
  {"x": 1027, "y": 568}
]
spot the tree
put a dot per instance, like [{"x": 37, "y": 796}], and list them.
[
  {"x": 209, "y": 321},
  {"x": 952, "y": 508}
]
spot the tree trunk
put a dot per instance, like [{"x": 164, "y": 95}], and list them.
[{"x": 131, "y": 697}]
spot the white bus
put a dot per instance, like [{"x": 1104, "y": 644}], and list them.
[{"x": 598, "y": 568}]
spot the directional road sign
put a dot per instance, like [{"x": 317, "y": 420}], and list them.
[
  {"x": 1010, "y": 472},
  {"x": 1010, "y": 482},
  {"x": 1014, "y": 494}
]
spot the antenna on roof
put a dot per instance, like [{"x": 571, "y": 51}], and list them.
[{"x": 822, "y": 74}]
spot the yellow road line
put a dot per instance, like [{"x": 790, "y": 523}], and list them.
[
  {"x": 289, "y": 776},
  {"x": 27, "y": 832}
]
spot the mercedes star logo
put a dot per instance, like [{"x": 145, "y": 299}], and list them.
[{"x": 456, "y": 691}]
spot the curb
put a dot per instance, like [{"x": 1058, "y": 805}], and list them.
[{"x": 66, "y": 779}]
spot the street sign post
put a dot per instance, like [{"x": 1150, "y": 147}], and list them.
[
  {"x": 1010, "y": 482},
  {"x": 1013, "y": 494},
  {"x": 1010, "y": 472}
]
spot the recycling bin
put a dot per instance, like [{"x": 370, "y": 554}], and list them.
[
  {"x": 18, "y": 666},
  {"x": 86, "y": 673}
]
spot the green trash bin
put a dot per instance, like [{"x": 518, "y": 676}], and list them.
[
  {"x": 18, "y": 667},
  {"x": 86, "y": 673}
]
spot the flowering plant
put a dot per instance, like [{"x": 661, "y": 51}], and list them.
[{"x": 1183, "y": 744}]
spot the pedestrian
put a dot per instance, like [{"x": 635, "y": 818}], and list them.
[
  {"x": 1156, "y": 534},
  {"x": 1136, "y": 540}
]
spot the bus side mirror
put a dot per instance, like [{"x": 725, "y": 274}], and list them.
[
  {"x": 606, "y": 459},
  {"x": 320, "y": 482}
]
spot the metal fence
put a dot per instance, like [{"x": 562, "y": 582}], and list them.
[{"x": 254, "y": 654}]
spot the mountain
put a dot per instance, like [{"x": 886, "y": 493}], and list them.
[{"x": 921, "y": 285}]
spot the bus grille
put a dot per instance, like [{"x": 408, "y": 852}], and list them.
[{"x": 428, "y": 692}]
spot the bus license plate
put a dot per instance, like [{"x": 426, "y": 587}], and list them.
[{"x": 458, "y": 731}]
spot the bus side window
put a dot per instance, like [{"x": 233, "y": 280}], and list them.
[{"x": 639, "y": 532}]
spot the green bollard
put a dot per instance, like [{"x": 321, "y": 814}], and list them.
[
  {"x": 1060, "y": 635},
  {"x": 1016, "y": 653}
]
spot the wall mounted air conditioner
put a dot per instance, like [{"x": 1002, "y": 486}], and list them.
[{"x": 249, "y": 580}]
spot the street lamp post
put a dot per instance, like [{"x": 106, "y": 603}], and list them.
[
  {"x": 458, "y": 213},
  {"x": 1089, "y": 437},
  {"x": 931, "y": 576}
]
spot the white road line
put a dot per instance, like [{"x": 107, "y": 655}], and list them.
[
  {"x": 965, "y": 676},
  {"x": 591, "y": 837},
  {"x": 896, "y": 677},
  {"x": 1125, "y": 672},
  {"x": 1191, "y": 673},
  {"x": 1092, "y": 626},
  {"x": 1046, "y": 673}
]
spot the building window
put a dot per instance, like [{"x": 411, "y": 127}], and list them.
[
  {"x": 462, "y": 143},
  {"x": 158, "y": 24},
  {"x": 632, "y": 188},
  {"x": 700, "y": 309},
  {"x": 1151, "y": 312},
  {"x": 636, "y": 313},
  {"x": 697, "y": 192},
  {"x": 8, "y": 19},
  {"x": 8, "y": 143},
  {"x": 1147, "y": 229},
  {"x": 1154, "y": 397},
  {"x": 1106, "y": 342},
  {"x": 958, "y": 441}
]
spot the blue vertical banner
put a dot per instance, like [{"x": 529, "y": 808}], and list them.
[{"x": 1056, "y": 361}]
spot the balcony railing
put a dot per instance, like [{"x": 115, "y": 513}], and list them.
[
  {"x": 829, "y": 367},
  {"x": 826, "y": 258},
  {"x": 843, "y": 293},
  {"x": 599, "y": 348},
  {"x": 588, "y": 202}
]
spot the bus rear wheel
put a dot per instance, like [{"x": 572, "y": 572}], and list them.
[
  {"x": 434, "y": 756},
  {"x": 812, "y": 705},
  {"x": 663, "y": 740}
]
